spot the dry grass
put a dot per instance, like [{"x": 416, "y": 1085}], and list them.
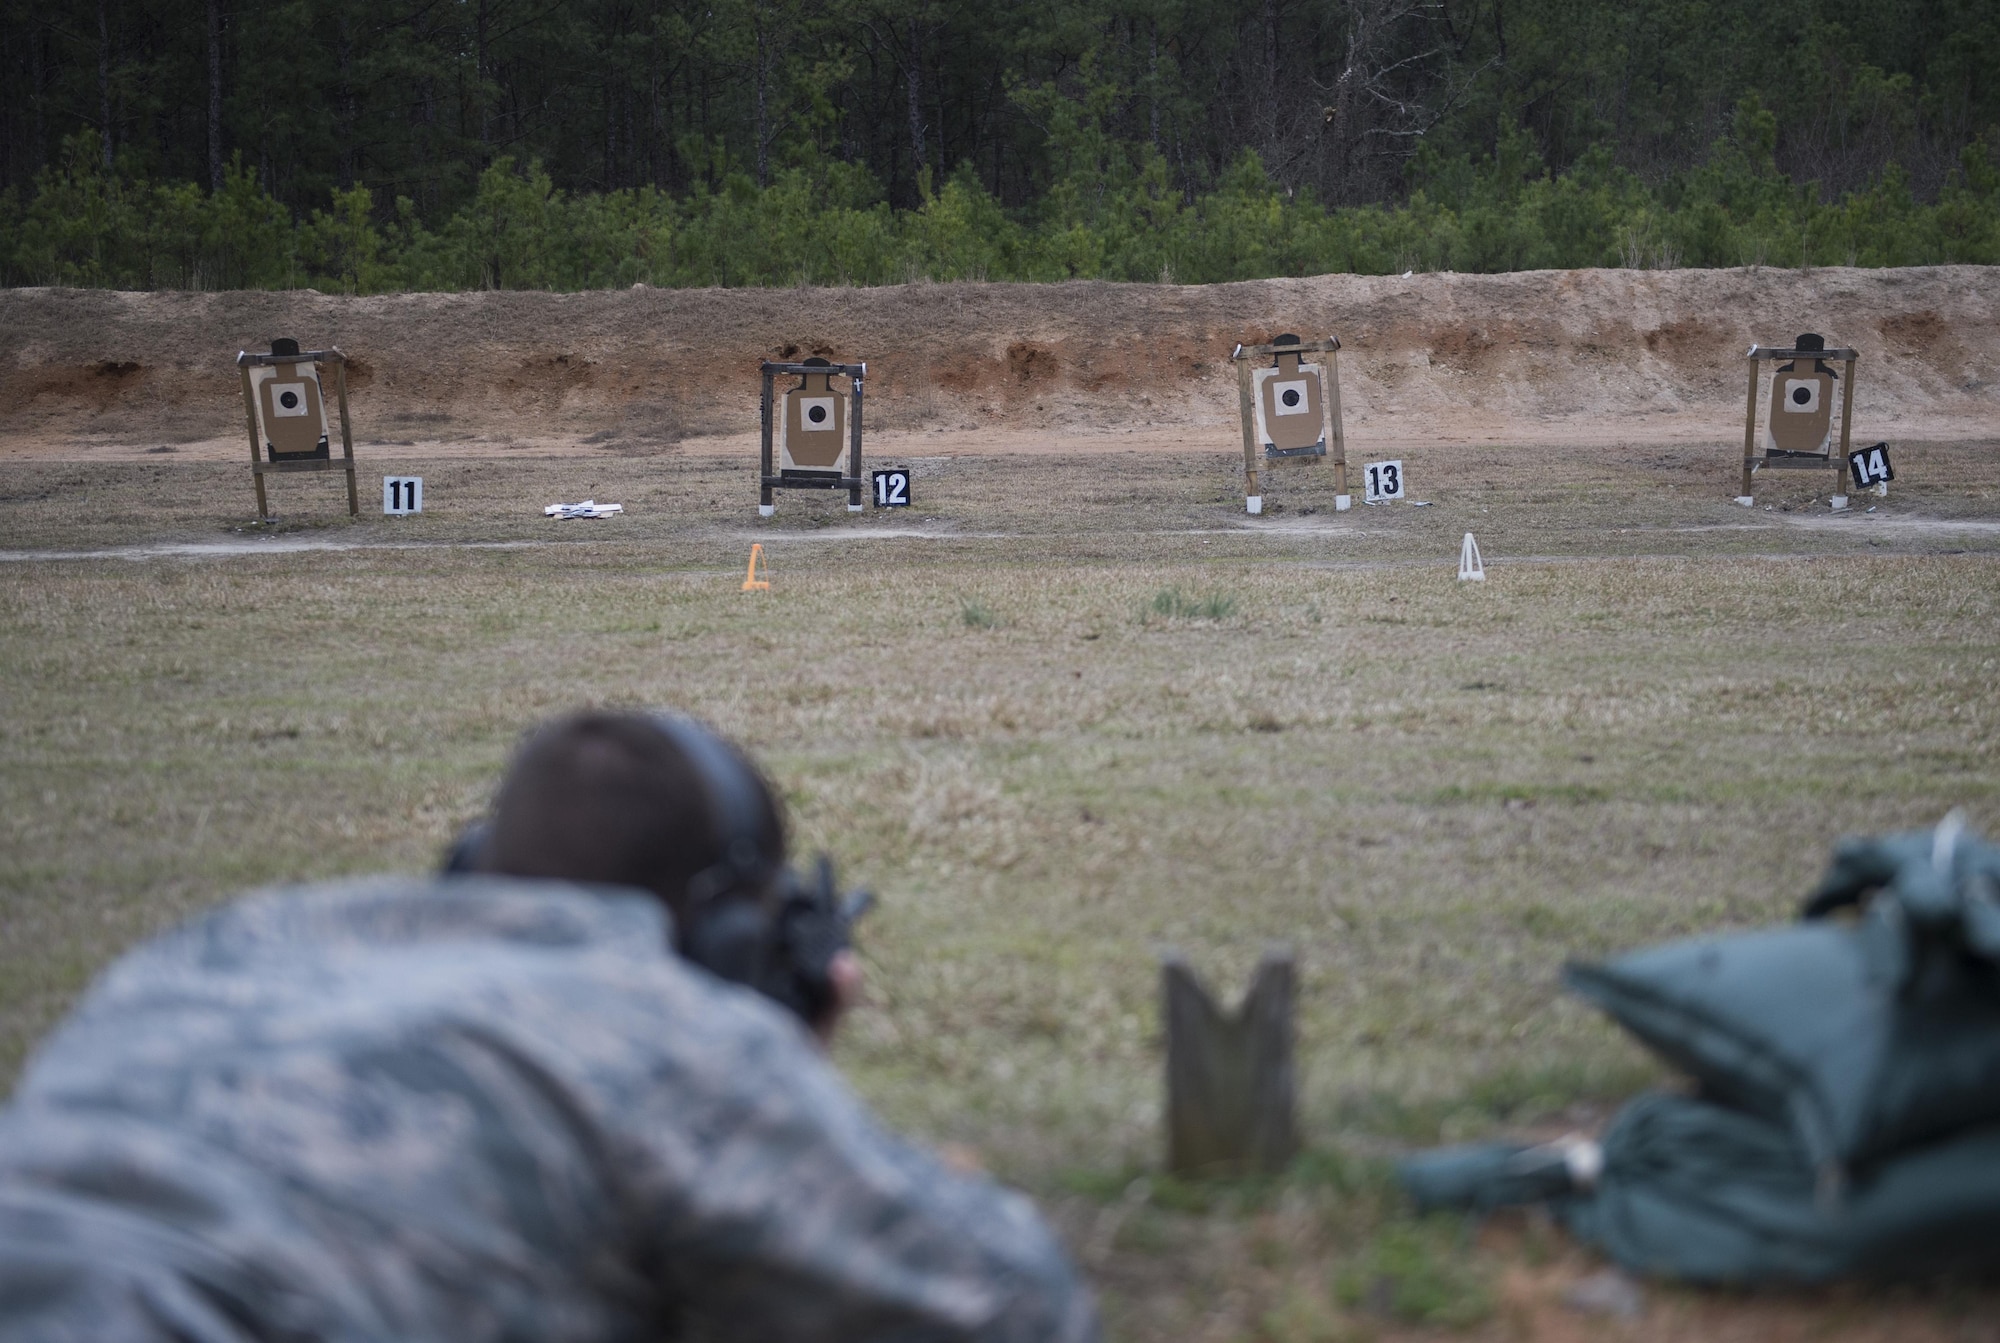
[{"x": 1436, "y": 792}]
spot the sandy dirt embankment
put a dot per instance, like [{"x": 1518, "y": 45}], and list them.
[{"x": 1557, "y": 357}]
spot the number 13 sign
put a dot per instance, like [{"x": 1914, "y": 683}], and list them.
[{"x": 1384, "y": 481}]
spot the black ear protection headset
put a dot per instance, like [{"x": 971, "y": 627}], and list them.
[{"x": 749, "y": 918}]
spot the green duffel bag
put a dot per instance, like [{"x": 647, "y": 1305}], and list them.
[
  {"x": 1864, "y": 1037},
  {"x": 1689, "y": 1190}
]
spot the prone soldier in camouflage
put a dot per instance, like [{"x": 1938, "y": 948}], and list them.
[{"x": 490, "y": 1106}]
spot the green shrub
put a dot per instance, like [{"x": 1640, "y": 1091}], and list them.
[
  {"x": 1174, "y": 604},
  {"x": 1112, "y": 212}
]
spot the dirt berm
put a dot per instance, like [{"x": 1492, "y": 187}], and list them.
[{"x": 1583, "y": 357}]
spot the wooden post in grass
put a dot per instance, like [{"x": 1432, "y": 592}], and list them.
[
  {"x": 1231, "y": 1082},
  {"x": 1246, "y": 405}
]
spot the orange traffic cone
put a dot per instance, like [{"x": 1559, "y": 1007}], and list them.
[{"x": 752, "y": 583}]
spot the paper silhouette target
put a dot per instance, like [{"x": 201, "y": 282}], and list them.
[
  {"x": 1290, "y": 406},
  {"x": 291, "y": 411},
  {"x": 815, "y": 423},
  {"x": 1801, "y": 415}
]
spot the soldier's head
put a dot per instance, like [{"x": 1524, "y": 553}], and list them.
[{"x": 635, "y": 799}]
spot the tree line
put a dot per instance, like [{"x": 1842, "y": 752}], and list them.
[{"x": 380, "y": 144}]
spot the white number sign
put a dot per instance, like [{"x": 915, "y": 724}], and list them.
[
  {"x": 1871, "y": 466},
  {"x": 892, "y": 488},
  {"x": 402, "y": 494},
  {"x": 1384, "y": 481}
]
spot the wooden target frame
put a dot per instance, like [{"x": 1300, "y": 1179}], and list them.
[
  {"x": 259, "y": 468},
  {"x": 771, "y": 478},
  {"x": 1834, "y": 458},
  {"x": 1245, "y": 358}
]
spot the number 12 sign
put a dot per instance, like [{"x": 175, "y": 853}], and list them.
[
  {"x": 1384, "y": 481},
  {"x": 402, "y": 494},
  {"x": 892, "y": 488}
]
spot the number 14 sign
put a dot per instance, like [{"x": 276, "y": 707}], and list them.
[
  {"x": 1384, "y": 481},
  {"x": 402, "y": 494},
  {"x": 1871, "y": 466}
]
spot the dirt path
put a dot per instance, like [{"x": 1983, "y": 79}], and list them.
[{"x": 1579, "y": 358}]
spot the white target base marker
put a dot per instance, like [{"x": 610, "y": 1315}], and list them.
[{"x": 1471, "y": 569}]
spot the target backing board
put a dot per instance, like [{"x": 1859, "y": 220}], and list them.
[
  {"x": 1290, "y": 413},
  {"x": 1801, "y": 415},
  {"x": 812, "y": 431},
  {"x": 291, "y": 410}
]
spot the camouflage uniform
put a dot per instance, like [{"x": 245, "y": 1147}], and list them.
[{"x": 477, "y": 1109}]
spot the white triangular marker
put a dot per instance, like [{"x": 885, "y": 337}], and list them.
[{"x": 1470, "y": 569}]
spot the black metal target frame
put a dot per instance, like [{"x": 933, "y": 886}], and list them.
[
  {"x": 774, "y": 479},
  {"x": 1753, "y": 461}
]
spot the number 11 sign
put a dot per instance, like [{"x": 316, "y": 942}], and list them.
[{"x": 402, "y": 494}]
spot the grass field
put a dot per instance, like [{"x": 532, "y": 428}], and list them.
[{"x": 1061, "y": 716}]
